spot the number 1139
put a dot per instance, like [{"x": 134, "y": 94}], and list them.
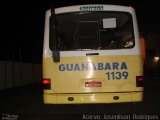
[{"x": 117, "y": 75}]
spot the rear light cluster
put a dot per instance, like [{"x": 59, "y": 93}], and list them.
[
  {"x": 46, "y": 83},
  {"x": 139, "y": 81}
]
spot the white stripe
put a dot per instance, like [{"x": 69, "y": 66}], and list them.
[{"x": 120, "y": 52}]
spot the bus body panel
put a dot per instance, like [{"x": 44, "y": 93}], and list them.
[{"x": 115, "y": 73}]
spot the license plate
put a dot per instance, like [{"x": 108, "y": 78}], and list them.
[{"x": 93, "y": 84}]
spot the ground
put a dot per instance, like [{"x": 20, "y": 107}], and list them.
[{"x": 26, "y": 103}]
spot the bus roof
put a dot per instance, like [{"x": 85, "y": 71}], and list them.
[{"x": 93, "y": 7}]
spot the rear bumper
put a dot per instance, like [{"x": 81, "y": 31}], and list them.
[{"x": 92, "y": 98}]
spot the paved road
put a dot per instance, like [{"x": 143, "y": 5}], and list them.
[{"x": 26, "y": 103}]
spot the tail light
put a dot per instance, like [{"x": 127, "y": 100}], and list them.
[
  {"x": 139, "y": 81},
  {"x": 46, "y": 83}
]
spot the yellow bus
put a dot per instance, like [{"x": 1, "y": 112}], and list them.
[{"x": 92, "y": 54}]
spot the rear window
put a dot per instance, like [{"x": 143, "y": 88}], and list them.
[{"x": 93, "y": 31}]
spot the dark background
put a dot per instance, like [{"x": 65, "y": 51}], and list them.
[{"x": 22, "y": 24}]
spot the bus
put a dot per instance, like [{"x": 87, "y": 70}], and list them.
[{"x": 92, "y": 55}]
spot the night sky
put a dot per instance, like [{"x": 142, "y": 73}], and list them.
[{"x": 23, "y": 24}]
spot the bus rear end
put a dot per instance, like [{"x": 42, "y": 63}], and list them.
[{"x": 92, "y": 55}]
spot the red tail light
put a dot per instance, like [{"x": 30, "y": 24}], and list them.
[
  {"x": 46, "y": 83},
  {"x": 139, "y": 81},
  {"x": 140, "y": 78}
]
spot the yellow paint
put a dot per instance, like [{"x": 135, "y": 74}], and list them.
[
  {"x": 66, "y": 84},
  {"x": 92, "y": 98}
]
